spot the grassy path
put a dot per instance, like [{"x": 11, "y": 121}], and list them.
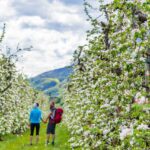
[{"x": 14, "y": 142}]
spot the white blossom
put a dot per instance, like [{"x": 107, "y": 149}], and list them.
[
  {"x": 142, "y": 127},
  {"x": 125, "y": 132}
]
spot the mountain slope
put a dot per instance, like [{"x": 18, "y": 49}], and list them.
[{"x": 51, "y": 82}]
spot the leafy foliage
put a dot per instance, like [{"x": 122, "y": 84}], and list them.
[
  {"x": 109, "y": 72},
  {"x": 16, "y": 97}
]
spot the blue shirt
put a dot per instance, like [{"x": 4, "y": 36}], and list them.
[{"x": 35, "y": 115}]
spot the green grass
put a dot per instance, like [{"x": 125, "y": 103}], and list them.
[{"x": 21, "y": 142}]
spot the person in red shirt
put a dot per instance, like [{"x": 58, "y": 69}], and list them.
[{"x": 51, "y": 124}]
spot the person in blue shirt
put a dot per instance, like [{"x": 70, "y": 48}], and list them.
[{"x": 35, "y": 118}]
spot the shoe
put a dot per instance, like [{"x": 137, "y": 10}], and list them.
[{"x": 53, "y": 143}]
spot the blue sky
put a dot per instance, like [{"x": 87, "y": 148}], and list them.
[{"x": 55, "y": 28}]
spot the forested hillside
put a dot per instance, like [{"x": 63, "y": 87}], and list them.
[{"x": 52, "y": 82}]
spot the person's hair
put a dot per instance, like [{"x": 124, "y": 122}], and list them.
[
  {"x": 52, "y": 103},
  {"x": 37, "y": 104}
]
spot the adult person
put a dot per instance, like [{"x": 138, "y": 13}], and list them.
[
  {"x": 35, "y": 118},
  {"x": 51, "y": 124}
]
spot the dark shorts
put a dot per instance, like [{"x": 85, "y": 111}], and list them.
[
  {"x": 51, "y": 128},
  {"x": 33, "y": 126}
]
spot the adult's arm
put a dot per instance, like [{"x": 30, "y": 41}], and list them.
[
  {"x": 41, "y": 117},
  {"x": 43, "y": 120},
  {"x": 29, "y": 125},
  {"x": 30, "y": 116},
  {"x": 48, "y": 116}
]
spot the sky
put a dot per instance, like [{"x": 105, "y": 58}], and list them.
[{"x": 54, "y": 28}]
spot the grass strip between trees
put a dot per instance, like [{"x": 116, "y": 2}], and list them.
[{"x": 21, "y": 142}]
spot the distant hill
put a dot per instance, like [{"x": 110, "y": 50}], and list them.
[{"x": 51, "y": 82}]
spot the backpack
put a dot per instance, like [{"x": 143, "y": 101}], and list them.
[{"x": 58, "y": 115}]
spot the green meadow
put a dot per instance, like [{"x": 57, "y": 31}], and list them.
[{"x": 21, "y": 142}]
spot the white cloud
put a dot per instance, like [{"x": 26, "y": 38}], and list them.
[
  {"x": 6, "y": 10},
  {"x": 52, "y": 47},
  {"x": 47, "y": 46},
  {"x": 69, "y": 14}
]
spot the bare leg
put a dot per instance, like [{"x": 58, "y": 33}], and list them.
[
  {"x": 53, "y": 139},
  {"x": 37, "y": 139},
  {"x": 31, "y": 137},
  {"x": 48, "y": 137}
]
